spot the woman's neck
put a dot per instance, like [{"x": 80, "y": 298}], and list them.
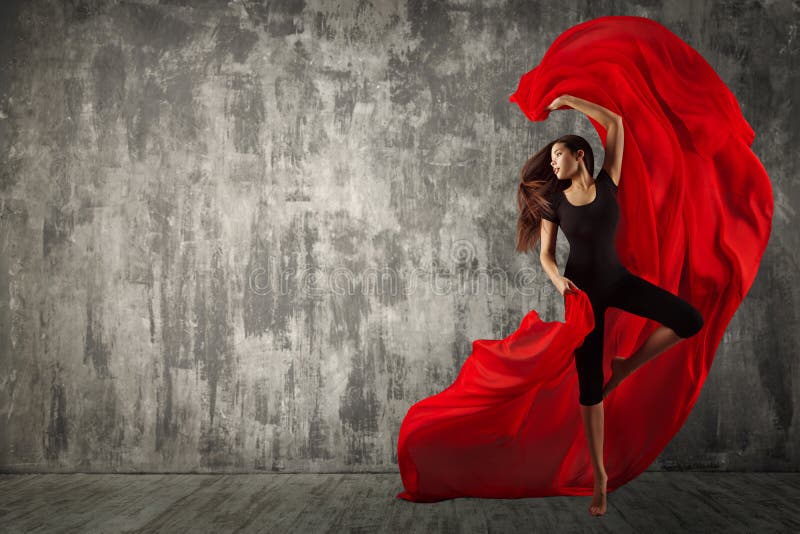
[{"x": 584, "y": 182}]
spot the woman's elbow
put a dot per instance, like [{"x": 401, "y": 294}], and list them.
[{"x": 615, "y": 121}]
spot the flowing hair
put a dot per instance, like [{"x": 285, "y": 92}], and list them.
[{"x": 537, "y": 183}]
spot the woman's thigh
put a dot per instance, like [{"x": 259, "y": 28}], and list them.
[{"x": 640, "y": 297}]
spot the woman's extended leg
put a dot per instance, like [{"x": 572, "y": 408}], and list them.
[
  {"x": 589, "y": 364},
  {"x": 593, "y": 424},
  {"x": 679, "y": 320}
]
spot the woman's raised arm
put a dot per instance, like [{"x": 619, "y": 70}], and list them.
[
  {"x": 615, "y": 144},
  {"x": 612, "y": 122}
]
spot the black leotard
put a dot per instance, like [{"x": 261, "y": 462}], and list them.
[
  {"x": 590, "y": 229},
  {"x": 594, "y": 267}
]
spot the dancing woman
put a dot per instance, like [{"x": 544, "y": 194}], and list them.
[
  {"x": 557, "y": 189},
  {"x": 508, "y": 427}
]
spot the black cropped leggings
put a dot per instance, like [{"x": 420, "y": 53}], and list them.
[{"x": 638, "y": 296}]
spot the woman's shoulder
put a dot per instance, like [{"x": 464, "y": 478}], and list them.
[
  {"x": 553, "y": 200},
  {"x": 555, "y": 197},
  {"x": 554, "y": 191}
]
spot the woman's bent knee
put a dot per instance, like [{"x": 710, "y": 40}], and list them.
[{"x": 691, "y": 325}]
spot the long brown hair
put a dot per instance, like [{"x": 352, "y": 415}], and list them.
[{"x": 537, "y": 183}]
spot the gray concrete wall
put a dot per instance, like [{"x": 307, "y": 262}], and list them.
[{"x": 219, "y": 220}]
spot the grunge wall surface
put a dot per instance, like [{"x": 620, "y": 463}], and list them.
[{"x": 248, "y": 235}]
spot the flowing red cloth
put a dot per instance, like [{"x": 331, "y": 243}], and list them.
[{"x": 696, "y": 213}]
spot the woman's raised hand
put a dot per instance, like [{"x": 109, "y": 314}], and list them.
[{"x": 558, "y": 102}]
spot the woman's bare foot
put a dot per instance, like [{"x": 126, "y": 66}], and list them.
[
  {"x": 619, "y": 370},
  {"x": 598, "y": 505}
]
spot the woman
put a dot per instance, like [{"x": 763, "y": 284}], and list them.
[
  {"x": 695, "y": 212},
  {"x": 557, "y": 189}
]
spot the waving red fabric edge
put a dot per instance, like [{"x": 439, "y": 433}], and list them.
[{"x": 696, "y": 213}]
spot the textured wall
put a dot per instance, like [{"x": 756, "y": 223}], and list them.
[{"x": 248, "y": 235}]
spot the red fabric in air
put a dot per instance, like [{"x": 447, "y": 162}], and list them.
[{"x": 696, "y": 213}]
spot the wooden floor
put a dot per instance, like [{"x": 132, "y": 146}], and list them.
[{"x": 314, "y": 503}]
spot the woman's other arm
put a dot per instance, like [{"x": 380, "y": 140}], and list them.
[{"x": 547, "y": 253}]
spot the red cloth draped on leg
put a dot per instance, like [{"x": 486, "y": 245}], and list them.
[{"x": 696, "y": 213}]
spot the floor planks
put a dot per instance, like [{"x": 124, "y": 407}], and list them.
[{"x": 366, "y": 503}]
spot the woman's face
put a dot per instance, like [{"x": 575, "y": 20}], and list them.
[{"x": 565, "y": 164}]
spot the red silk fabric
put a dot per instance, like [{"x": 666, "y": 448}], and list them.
[{"x": 696, "y": 212}]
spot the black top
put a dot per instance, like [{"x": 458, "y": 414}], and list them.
[{"x": 590, "y": 230}]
